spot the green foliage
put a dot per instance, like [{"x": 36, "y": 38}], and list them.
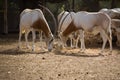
[
  {"x": 62, "y": 8},
  {"x": 13, "y": 5},
  {"x": 105, "y": 4},
  {"x": 118, "y": 4}
]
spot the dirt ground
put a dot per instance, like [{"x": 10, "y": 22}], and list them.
[{"x": 67, "y": 64}]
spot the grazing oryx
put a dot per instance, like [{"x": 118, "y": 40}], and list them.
[
  {"x": 116, "y": 26},
  {"x": 91, "y": 22},
  {"x": 34, "y": 20},
  {"x": 64, "y": 19}
]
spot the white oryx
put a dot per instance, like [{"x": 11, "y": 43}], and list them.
[
  {"x": 34, "y": 20},
  {"x": 90, "y": 22},
  {"x": 64, "y": 19},
  {"x": 95, "y": 22},
  {"x": 26, "y": 35}
]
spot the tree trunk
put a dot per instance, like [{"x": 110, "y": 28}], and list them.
[
  {"x": 92, "y": 5},
  {"x": 113, "y": 3},
  {"x": 5, "y": 29},
  {"x": 73, "y": 4}
]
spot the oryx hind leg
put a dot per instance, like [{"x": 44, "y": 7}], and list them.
[
  {"x": 26, "y": 38},
  {"x": 106, "y": 36},
  {"x": 109, "y": 38}
]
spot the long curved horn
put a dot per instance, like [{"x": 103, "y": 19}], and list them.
[
  {"x": 55, "y": 22},
  {"x": 63, "y": 21}
]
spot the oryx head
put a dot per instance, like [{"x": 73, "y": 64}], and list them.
[
  {"x": 49, "y": 38},
  {"x": 49, "y": 42}
]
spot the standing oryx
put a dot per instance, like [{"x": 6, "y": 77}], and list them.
[
  {"x": 34, "y": 20},
  {"x": 64, "y": 19},
  {"x": 90, "y": 22}
]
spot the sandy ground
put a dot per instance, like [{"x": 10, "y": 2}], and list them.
[{"x": 67, "y": 64}]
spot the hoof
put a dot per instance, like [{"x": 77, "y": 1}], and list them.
[
  {"x": 28, "y": 47},
  {"x": 110, "y": 52},
  {"x": 33, "y": 50},
  {"x": 100, "y": 54},
  {"x": 49, "y": 50},
  {"x": 82, "y": 50},
  {"x": 18, "y": 47},
  {"x": 118, "y": 44}
]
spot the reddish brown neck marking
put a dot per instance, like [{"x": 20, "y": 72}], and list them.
[
  {"x": 71, "y": 27},
  {"x": 41, "y": 25}
]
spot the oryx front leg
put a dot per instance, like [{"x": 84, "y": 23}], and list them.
[
  {"x": 19, "y": 41},
  {"x": 40, "y": 36},
  {"x": 76, "y": 43},
  {"x": 82, "y": 40},
  {"x": 63, "y": 39},
  {"x": 71, "y": 41},
  {"x": 64, "y": 42},
  {"x": 34, "y": 36}
]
